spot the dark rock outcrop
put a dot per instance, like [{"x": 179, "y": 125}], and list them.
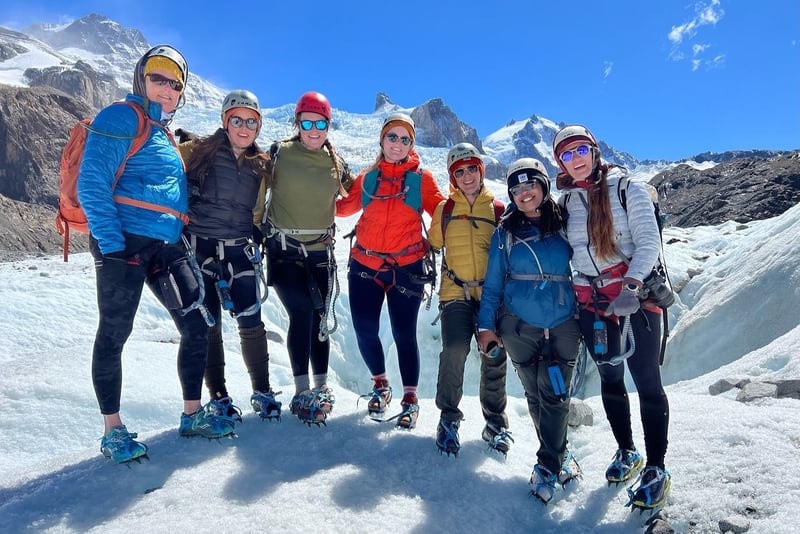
[
  {"x": 438, "y": 126},
  {"x": 81, "y": 81},
  {"x": 743, "y": 190},
  {"x": 34, "y": 126}
]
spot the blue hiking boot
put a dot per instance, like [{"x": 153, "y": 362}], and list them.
[
  {"x": 447, "y": 437},
  {"x": 624, "y": 465},
  {"x": 652, "y": 489},
  {"x": 265, "y": 405},
  {"x": 224, "y": 407},
  {"x": 122, "y": 447},
  {"x": 206, "y": 423}
]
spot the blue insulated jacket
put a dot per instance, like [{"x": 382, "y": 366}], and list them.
[
  {"x": 544, "y": 304},
  {"x": 154, "y": 174}
]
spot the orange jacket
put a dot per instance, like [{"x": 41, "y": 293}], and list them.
[{"x": 389, "y": 225}]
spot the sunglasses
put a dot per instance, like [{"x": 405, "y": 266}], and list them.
[
  {"x": 237, "y": 122},
  {"x": 523, "y": 187},
  {"x": 158, "y": 79},
  {"x": 459, "y": 173},
  {"x": 320, "y": 125},
  {"x": 567, "y": 155},
  {"x": 393, "y": 138}
]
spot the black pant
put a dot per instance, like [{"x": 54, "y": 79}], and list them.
[
  {"x": 119, "y": 290},
  {"x": 294, "y": 279},
  {"x": 646, "y": 373},
  {"x": 526, "y": 347},
  {"x": 458, "y": 329}
]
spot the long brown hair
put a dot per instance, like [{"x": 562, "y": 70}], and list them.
[
  {"x": 601, "y": 221},
  {"x": 205, "y": 150}
]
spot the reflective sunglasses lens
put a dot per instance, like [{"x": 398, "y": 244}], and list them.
[
  {"x": 321, "y": 125},
  {"x": 566, "y": 157},
  {"x": 252, "y": 124},
  {"x": 306, "y": 125},
  {"x": 472, "y": 169},
  {"x": 582, "y": 150},
  {"x": 458, "y": 173}
]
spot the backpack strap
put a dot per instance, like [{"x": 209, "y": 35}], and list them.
[{"x": 141, "y": 138}]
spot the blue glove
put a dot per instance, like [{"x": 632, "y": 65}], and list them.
[{"x": 627, "y": 303}]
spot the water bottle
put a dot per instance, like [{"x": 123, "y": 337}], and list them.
[
  {"x": 600, "y": 337},
  {"x": 224, "y": 292}
]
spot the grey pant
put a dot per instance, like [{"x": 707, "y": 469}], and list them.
[
  {"x": 458, "y": 328},
  {"x": 528, "y": 351}
]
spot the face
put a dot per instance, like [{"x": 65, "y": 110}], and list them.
[
  {"x": 579, "y": 167},
  {"x": 161, "y": 90},
  {"x": 314, "y": 138},
  {"x": 528, "y": 196},
  {"x": 468, "y": 178},
  {"x": 394, "y": 151},
  {"x": 242, "y": 136}
]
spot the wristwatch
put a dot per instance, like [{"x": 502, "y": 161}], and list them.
[{"x": 633, "y": 288}]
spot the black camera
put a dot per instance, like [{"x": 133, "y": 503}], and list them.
[{"x": 655, "y": 288}]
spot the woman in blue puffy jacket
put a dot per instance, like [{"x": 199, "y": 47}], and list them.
[
  {"x": 135, "y": 225},
  {"x": 529, "y": 307}
]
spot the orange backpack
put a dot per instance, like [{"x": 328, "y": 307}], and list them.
[{"x": 70, "y": 212}]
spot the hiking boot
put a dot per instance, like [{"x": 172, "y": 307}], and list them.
[
  {"x": 380, "y": 397},
  {"x": 325, "y": 399},
  {"x": 121, "y": 446},
  {"x": 206, "y": 423},
  {"x": 265, "y": 405},
  {"x": 654, "y": 484},
  {"x": 307, "y": 408},
  {"x": 625, "y": 464},
  {"x": 499, "y": 439},
  {"x": 447, "y": 437},
  {"x": 408, "y": 417},
  {"x": 570, "y": 470},
  {"x": 224, "y": 407},
  {"x": 543, "y": 483}
]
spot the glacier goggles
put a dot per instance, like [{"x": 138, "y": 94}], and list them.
[
  {"x": 394, "y": 138},
  {"x": 158, "y": 79},
  {"x": 237, "y": 122},
  {"x": 320, "y": 125},
  {"x": 567, "y": 155},
  {"x": 471, "y": 169}
]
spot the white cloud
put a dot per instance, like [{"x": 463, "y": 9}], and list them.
[
  {"x": 607, "y": 68},
  {"x": 705, "y": 14}
]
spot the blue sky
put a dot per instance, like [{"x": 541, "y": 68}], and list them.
[{"x": 661, "y": 80}]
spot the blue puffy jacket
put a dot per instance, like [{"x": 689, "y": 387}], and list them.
[
  {"x": 154, "y": 174},
  {"x": 544, "y": 304}
]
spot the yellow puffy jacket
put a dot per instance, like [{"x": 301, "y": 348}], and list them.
[{"x": 466, "y": 252}]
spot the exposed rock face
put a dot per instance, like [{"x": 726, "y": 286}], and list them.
[
  {"x": 742, "y": 190},
  {"x": 34, "y": 125},
  {"x": 437, "y": 125},
  {"x": 80, "y": 81}
]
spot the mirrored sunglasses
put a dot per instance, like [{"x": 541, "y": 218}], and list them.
[
  {"x": 459, "y": 173},
  {"x": 393, "y": 138},
  {"x": 523, "y": 187},
  {"x": 567, "y": 155},
  {"x": 237, "y": 122},
  {"x": 158, "y": 79},
  {"x": 320, "y": 125}
]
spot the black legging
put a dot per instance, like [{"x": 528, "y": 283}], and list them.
[
  {"x": 288, "y": 277},
  {"x": 118, "y": 295},
  {"x": 646, "y": 372}
]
